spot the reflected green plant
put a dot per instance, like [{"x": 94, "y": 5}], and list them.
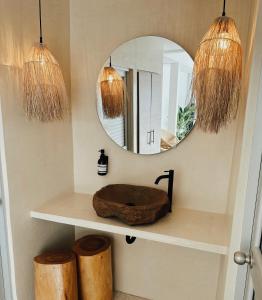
[{"x": 185, "y": 120}]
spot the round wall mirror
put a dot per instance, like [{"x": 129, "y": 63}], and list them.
[{"x": 144, "y": 95}]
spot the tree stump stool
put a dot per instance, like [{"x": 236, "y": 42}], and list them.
[
  {"x": 94, "y": 267},
  {"x": 56, "y": 276}
]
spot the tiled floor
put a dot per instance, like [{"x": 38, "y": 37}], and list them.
[{"x": 121, "y": 296}]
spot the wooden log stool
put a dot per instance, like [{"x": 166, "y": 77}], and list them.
[
  {"x": 56, "y": 276},
  {"x": 94, "y": 267}
]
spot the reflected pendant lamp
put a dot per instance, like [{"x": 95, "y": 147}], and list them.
[
  {"x": 112, "y": 92},
  {"x": 45, "y": 97},
  {"x": 217, "y": 75}
]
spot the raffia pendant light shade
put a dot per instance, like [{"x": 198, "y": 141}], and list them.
[
  {"x": 45, "y": 97},
  {"x": 112, "y": 92},
  {"x": 217, "y": 75}
]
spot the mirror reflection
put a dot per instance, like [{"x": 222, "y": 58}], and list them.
[{"x": 144, "y": 95}]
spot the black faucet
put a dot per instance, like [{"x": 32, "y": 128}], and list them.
[{"x": 170, "y": 177}]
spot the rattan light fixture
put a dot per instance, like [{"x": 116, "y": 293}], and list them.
[
  {"x": 45, "y": 97},
  {"x": 217, "y": 74},
  {"x": 112, "y": 92}
]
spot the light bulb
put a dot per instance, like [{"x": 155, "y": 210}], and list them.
[
  {"x": 223, "y": 42},
  {"x": 42, "y": 59},
  {"x": 110, "y": 78}
]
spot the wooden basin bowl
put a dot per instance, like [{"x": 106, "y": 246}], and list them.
[{"x": 133, "y": 205}]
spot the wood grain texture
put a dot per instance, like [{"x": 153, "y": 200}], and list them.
[
  {"x": 55, "y": 276},
  {"x": 94, "y": 267}
]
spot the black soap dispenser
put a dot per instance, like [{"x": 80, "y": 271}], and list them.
[{"x": 102, "y": 164}]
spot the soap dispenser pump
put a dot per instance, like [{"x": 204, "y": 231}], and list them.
[{"x": 102, "y": 164}]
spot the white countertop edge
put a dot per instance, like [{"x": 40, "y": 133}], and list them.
[{"x": 167, "y": 239}]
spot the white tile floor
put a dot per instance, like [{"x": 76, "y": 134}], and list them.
[{"x": 121, "y": 296}]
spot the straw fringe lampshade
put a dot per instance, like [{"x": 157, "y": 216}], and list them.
[
  {"x": 217, "y": 75},
  {"x": 112, "y": 92},
  {"x": 45, "y": 97}
]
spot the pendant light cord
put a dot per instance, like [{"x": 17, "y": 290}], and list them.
[
  {"x": 40, "y": 22},
  {"x": 224, "y": 9},
  {"x": 110, "y": 62}
]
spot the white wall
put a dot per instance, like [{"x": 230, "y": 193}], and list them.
[
  {"x": 38, "y": 156},
  {"x": 202, "y": 162},
  {"x": 144, "y": 54}
]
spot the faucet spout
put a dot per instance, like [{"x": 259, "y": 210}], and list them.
[
  {"x": 170, "y": 177},
  {"x": 159, "y": 178}
]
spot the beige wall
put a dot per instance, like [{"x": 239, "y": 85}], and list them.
[
  {"x": 202, "y": 162},
  {"x": 38, "y": 156},
  {"x": 159, "y": 271},
  {"x": 96, "y": 29}
]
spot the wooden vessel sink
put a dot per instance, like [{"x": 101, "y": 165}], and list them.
[{"x": 133, "y": 205}]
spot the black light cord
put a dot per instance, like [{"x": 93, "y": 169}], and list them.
[
  {"x": 224, "y": 9},
  {"x": 40, "y": 22},
  {"x": 110, "y": 62}
]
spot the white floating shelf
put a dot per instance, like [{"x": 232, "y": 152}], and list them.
[{"x": 187, "y": 228}]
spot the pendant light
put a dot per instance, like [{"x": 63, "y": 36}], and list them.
[
  {"x": 112, "y": 92},
  {"x": 217, "y": 74},
  {"x": 45, "y": 97}
]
